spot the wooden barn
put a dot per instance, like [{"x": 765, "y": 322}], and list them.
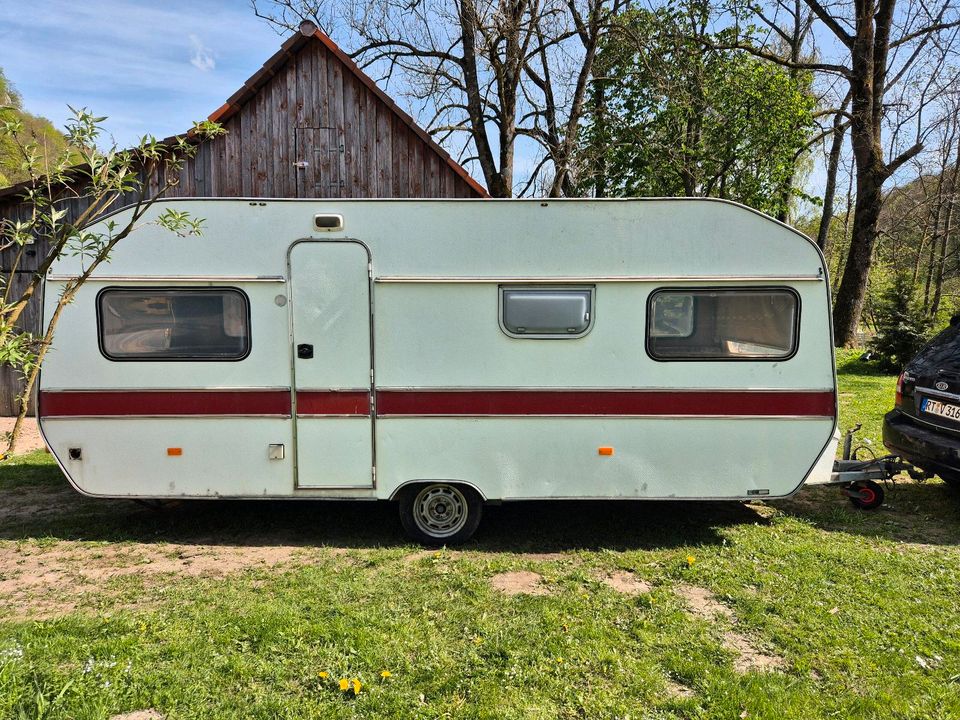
[{"x": 308, "y": 124}]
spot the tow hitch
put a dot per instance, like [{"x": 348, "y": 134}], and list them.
[{"x": 861, "y": 478}]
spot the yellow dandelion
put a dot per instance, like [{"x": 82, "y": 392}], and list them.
[
  {"x": 436, "y": 554},
  {"x": 385, "y": 674},
  {"x": 344, "y": 684},
  {"x": 356, "y": 686},
  {"x": 559, "y": 660},
  {"x": 323, "y": 674},
  {"x": 477, "y": 640},
  {"x": 690, "y": 560}
]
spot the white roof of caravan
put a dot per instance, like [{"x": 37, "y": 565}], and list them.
[{"x": 638, "y": 238}]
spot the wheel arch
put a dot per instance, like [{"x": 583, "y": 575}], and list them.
[{"x": 424, "y": 481}]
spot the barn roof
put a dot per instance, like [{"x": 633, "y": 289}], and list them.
[{"x": 310, "y": 33}]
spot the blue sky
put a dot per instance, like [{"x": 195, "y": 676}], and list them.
[{"x": 151, "y": 67}]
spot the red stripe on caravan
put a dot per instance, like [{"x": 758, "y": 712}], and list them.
[
  {"x": 440, "y": 402},
  {"x": 606, "y": 402},
  {"x": 200, "y": 402},
  {"x": 333, "y": 402}
]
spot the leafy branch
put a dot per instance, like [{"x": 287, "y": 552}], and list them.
[{"x": 102, "y": 181}]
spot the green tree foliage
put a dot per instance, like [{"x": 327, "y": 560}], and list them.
[
  {"x": 671, "y": 115},
  {"x": 38, "y": 131},
  {"x": 903, "y": 326}
]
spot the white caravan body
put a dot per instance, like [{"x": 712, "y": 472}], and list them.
[{"x": 646, "y": 349}]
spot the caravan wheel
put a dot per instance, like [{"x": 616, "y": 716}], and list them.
[{"x": 440, "y": 513}]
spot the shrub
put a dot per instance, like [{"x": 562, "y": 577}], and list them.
[{"x": 902, "y": 326}]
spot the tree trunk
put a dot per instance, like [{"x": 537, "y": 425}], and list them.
[
  {"x": 869, "y": 49},
  {"x": 830, "y": 191},
  {"x": 497, "y": 185},
  {"x": 931, "y": 262},
  {"x": 599, "y": 159},
  {"x": 920, "y": 248},
  {"x": 944, "y": 244},
  {"x": 786, "y": 192},
  {"x": 938, "y": 276},
  {"x": 949, "y": 199},
  {"x": 853, "y": 286},
  {"x": 798, "y": 35}
]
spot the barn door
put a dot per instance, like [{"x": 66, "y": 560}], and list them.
[
  {"x": 321, "y": 169},
  {"x": 332, "y": 375}
]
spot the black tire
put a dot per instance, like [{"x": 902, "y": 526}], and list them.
[
  {"x": 871, "y": 495},
  {"x": 951, "y": 479},
  {"x": 440, "y": 513}
]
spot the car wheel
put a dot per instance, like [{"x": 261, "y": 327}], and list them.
[{"x": 440, "y": 513}]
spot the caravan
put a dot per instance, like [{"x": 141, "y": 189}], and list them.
[{"x": 446, "y": 354}]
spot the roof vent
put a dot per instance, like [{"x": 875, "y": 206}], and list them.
[
  {"x": 328, "y": 222},
  {"x": 307, "y": 28}
]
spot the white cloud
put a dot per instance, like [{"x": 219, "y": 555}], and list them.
[
  {"x": 97, "y": 54},
  {"x": 201, "y": 57}
]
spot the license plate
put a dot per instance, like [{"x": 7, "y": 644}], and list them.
[{"x": 935, "y": 407}]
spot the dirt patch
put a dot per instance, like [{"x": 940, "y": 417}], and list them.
[
  {"x": 28, "y": 503},
  {"x": 139, "y": 715},
  {"x": 419, "y": 555},
  {"x": 676, "y": 690},
  {"x": 30, "y": 439},
  {"x": 41, "y": 583},
  {"x": 747, "y": 656},
  {"x": 702, "y": 602},
  {"x": 543, "y": 557},
  {"x": 454, "y": 554},
  {"x": 521, "y": 582},
  {"x": 626, "y": 582}
]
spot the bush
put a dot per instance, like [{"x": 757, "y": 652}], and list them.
[{"x": 902, "y": 326}]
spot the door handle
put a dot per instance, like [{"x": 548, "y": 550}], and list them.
[{"x": 305, "y": 351}]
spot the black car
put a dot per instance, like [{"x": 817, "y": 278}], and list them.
[{"x": 924, "y": 426}]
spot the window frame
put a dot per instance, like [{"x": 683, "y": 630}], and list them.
[
  {"x": 168, "y": 288},
  {"x": 576, "y": 287},
  {"x": 795, "y": 348}
]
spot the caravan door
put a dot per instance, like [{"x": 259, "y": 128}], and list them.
[{"x": 332, "y": 369}]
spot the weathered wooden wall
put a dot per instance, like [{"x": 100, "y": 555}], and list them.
[
  {"x": 10, "y": 382},
  {"x": 309, "y": 124},
  {"x": 317, "y": 129}
]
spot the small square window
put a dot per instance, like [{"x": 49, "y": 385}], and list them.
[{"x": 546, "y": 312}]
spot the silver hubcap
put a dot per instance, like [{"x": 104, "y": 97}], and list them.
[{"x": 440, "y": 510}]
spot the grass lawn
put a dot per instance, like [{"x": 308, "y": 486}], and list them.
[
  {"x": 866, "y": 395},
  {"x": 804, "y": 608}
]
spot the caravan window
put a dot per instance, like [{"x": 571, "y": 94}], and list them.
[
  {"x": 174, "y": 324},
  {"x": 742, "y": 324},
  {"x": 546, "y": 312}
]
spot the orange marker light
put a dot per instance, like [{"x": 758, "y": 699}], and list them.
[
  {"x": 174, "y": 452},
  {"x": 605, "y": 450}
]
